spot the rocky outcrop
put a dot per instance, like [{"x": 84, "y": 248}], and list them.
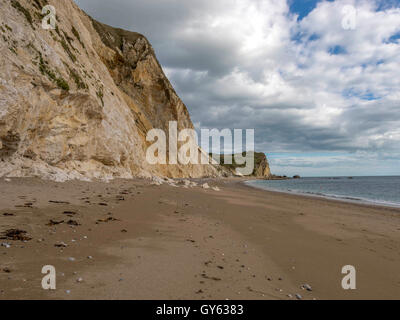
[
  {"x": 262, "y": 169},
  {"x": 78, "y": 101},
  {"x": 261, "y": 165}
]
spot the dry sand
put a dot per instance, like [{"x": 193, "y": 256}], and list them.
[{"x": 140, "y": 241}]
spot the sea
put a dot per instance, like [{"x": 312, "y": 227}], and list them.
[{"x": 372, "y": 190}]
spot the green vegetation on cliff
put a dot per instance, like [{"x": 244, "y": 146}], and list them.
[{"x": 260, "y": 160}]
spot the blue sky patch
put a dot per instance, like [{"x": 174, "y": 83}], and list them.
[
  {"x": 314, "y": 37},
  {"x": 297, "y": 37},
  {"x": 302, "y": 7},
  {"x": 300, "y": 37},
  {"x": 335, "y": 50},
  {"x": 383, "y": 5},
  {"x": 394, "y": 38},
  {"x": 368, "y": 95}
]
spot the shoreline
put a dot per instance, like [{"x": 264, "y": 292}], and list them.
[
  {"x": 338, "y": 198},
  {"x": 162, "y": 242}
]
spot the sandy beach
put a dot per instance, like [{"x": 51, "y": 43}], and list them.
[{"x": 128, "y": 239}]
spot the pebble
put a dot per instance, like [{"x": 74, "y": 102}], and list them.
[
  {"x": 79, "y": 280},
  {"x": 306, "y": 287},
  {"x": 298, "y": 296},
  {"x": 61, "y": 245},
  {"x": 71, "y": 259},
  {"x": 6, "y": 245}
]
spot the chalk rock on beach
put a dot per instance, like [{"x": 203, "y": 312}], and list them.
[
  {"x": 306, "y": 287},
  {"x": 188, "y": 184},
  {"x": 170, "y": 182},
  {"x": 157, "y": 181}
]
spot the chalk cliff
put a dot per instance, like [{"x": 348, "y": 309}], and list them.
[{"x": 78, "y": 101}]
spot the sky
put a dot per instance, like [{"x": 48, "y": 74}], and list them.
[{"x": 317, "y": 80}]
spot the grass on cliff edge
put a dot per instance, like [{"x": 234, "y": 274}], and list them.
[{"x": 258, "y": 158}]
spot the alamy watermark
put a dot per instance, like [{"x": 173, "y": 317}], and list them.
[
  {"x": 183, "y": 147},
  {"x": 349, "y": 281},
  {"x": 49, "y": 280},
  {"x": 349, "y": 21},
  {"x": 49, "y": 21}
]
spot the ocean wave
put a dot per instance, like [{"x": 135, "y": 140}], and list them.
[{"x": 338, "y": 197}]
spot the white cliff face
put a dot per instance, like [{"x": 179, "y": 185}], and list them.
[{"x": 78, "y": 101}]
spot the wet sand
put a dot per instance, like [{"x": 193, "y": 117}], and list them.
[{"x": 135, "y": 240}]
